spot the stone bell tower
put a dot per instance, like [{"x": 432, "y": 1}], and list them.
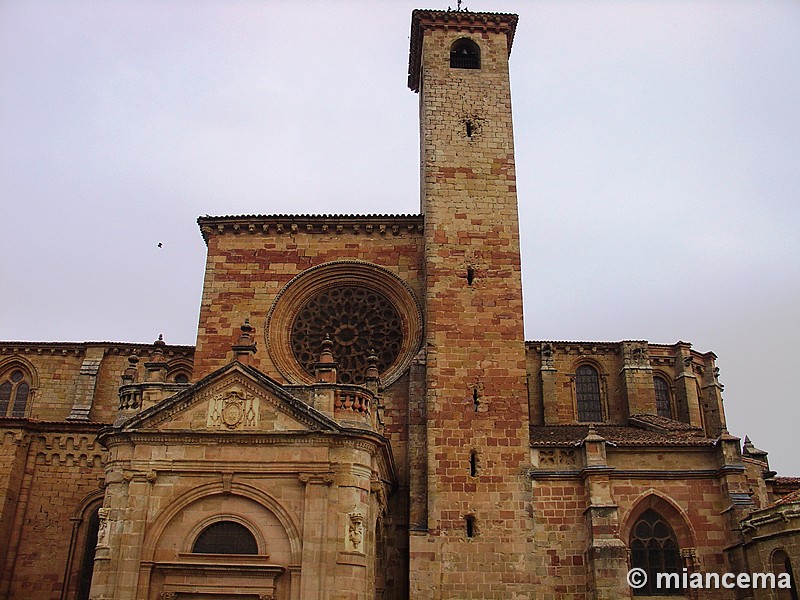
[{"x": 471, "y": 505}]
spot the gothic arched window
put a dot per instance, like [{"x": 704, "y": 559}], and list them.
[
  {"x": 225, "y": 537},
  {"x": 465, "y": 54},
  {"x": 15, "y": 388},
  {"x": 654, "y": 548},
  {"x": 587, "y": 392},
  {"x": 663, "y": 406}
]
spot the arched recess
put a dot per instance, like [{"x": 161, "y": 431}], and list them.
[
  {"x": 664, "y": 396},
  {"x": 191, "y": 539},
  {"x": 781, "y": 562},
  {"x": 179, "y": 368},
  {"x": 668, "y": 509},
  {"x": 18, "y": 384},
  {"x": 24, "y": 364},
  {"x": 465, "y": 53},
  {"x": 83, "y": 538},
  {"x": 170, "y": 564},
  {"x": 589, "y": 406},
  {"x": 216, "y": 489}
]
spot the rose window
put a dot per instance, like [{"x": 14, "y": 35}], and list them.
[{"x": 358, "y": 321}]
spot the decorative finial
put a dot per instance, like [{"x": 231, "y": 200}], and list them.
[
  {"x": 245, "y": 345},
  {"x": 131, "y": 374},
  {"x": 372, "y": 365},
  {"x": 326, "y": 350},
  {"x": 245, "y": 339},
  {"x": 157, "y": 355},
  {"x": 325, "y": 368}
]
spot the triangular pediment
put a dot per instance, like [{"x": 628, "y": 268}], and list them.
[{"x": 236, "y": 398}]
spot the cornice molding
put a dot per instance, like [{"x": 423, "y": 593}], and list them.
[
  {"x": 78, "y": 348},
  {"x": 614, "y": 473},
  {"x": 368, "y": 225}
]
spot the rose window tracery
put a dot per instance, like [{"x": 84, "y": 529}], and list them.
[{"x": 358, "y": 320}]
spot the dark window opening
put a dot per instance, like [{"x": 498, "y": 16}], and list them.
[
  {"x": 663, "y": 407},
  {"x": 20, "y": 400},
  {"x": 470, "y": 521},
  {"x": 225, "y": 537},
  {"x": 470, "y": 269},
  {"x": 469, "y": 129},
  {"x": 473, "y": 463},
  {"x": 465, "y": 54},
  {"x": 654, "y": 548},
  {"x": 5, "y": 396},
  {"x": 787, "y": 564},
  {"x": 181, "y": 378},
  {"x": 87, "y": 564},
  {"x": 475, "y": 398},
  {"x": 587, "y": 390},
  {"x": 781, "y": 563}
]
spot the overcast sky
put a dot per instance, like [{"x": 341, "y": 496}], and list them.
[{"x": 658, "y": 163}]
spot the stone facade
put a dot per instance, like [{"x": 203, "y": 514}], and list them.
[{"x": 362, "y": 418}]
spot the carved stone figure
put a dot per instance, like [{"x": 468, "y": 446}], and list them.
[{"x": 355, "y": 533}]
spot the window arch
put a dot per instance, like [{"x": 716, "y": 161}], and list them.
[
  {"x": 654, "y": 548},
  {"x": 87, "y": 563},
  {"x": 781, "y": 563},
  {"x": 587, "y": 393},
  {"x": 225, "y": 537},
  {"x": 663, "y": 404},
  {"x": 465, "y": 54},
  {"x": 15, "y": 389}
]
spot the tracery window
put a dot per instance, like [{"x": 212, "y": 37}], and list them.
[
  {"x": 225, "y": 537},
  {"x": 358, "y": 321},
  {"x": 663, "y": 406},
  {"x": 465, "y": 54},
  {"x": 15, "y": 388},
  {"x": 587, "y": 392},
  {"x": 654, "y": 548}
]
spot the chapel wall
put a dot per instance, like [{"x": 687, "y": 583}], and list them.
[
  {"x": 693, "y": 507},
  {"x": 86, "y": 376},
  {"x": 62, "y": 471},
  {"x": 626, "y": 371}
]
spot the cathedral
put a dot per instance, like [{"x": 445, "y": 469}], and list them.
[{"x": 362, "y": 418}]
